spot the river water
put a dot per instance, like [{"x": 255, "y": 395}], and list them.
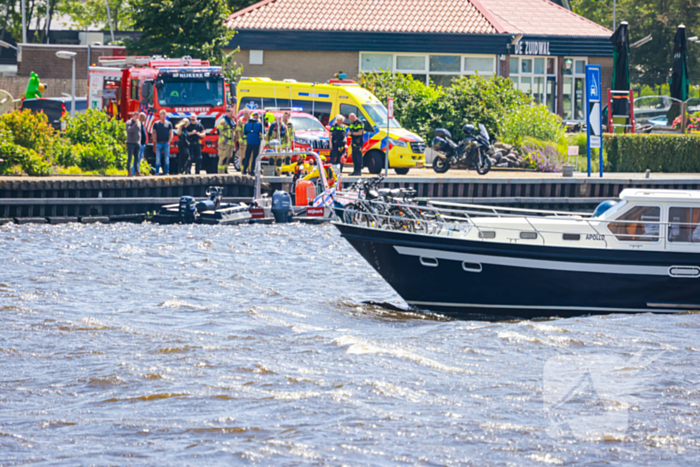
[{"x": 278, "y": 345}]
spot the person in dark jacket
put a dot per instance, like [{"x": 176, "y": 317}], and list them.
[
  {"x": 253, "y": 132},
  {"x": 144, "y": 140},
  {"x": 195, "y": 132},
  {"x": 183, "y": 147},
  {"x": 133, "y": 141},
  {"x": 338, "y": 139}
]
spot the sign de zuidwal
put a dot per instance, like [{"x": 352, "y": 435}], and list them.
[{"x": 532, "y": 48}]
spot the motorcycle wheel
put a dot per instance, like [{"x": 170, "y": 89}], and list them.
[
  {"x": 484, "y": 165},
  {"x": 440, "y": 165}
]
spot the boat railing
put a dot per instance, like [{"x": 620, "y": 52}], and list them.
[{"x": 435, "y": 218}]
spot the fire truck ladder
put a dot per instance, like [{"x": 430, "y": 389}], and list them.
[
  {"x": 629, "y": 95},
  {"x": 157, "y": 61}
]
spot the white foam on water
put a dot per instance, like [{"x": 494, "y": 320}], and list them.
[
  {"x": 359, "y": 346},
  {"x": 546, "y": 459}
]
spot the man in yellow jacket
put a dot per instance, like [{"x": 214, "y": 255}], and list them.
[
  {"x": 239, "y": 135},
  {"x": 227, "y": 143}
]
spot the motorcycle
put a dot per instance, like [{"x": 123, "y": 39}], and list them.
[{"x": 471, "y": 153}]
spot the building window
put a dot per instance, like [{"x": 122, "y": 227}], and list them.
[
  {"x": 256, "y": 57},
  {"x": 537, "y": 77},
  {"x": 574, "y": 76},
  {"x": 376, "y": 62},
  {"x": 439, "y": 69}
]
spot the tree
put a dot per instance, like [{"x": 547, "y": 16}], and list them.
[
  {"x": 650, "y": 64},
  {"x": 93, "y": 13},
  {"x": 176, "y": 28},
  {"x": 236, "y": 5}
]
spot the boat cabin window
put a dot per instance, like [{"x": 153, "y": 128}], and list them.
[
  {"x": 571, "y": 237},
  {"x": 639, "y": 224},
  {"x": 684, "y": 225},
  {"x": 528, "y": 235},
  {"x": 487, "y": 234}
]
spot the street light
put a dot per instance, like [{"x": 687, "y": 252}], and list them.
[{"x": 70, "y": 56}]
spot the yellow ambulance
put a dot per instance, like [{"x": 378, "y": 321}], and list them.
[{"x": 325, "y": 102}]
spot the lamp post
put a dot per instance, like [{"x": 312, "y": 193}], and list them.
[{"x": 70, "y": 56}]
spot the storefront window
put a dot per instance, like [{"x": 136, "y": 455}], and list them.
[
  {"x": 574, "y": 70},
  {"x": 376, "y": 62},
  {"x": 438, "y": 69},
  {"x": 443, "y": 80},
  {"x": 536, "y": 76},
  {"x": 478, "y": 65},
  {"x": 410, "y": 62},
  {"x": 445, "y": 63}
]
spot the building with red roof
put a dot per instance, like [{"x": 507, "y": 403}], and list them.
[{"x": 542, "y": 46}]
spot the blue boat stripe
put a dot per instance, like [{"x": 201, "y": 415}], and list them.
[{"x": 537, "y": 263}]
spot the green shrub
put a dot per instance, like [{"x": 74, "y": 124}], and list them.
[
  {"x": 476, "y": 99},
  {"x": 100, "y": 142},
  {"x": 416, "y": 106},
  {"x": 535, "y": 121},
  {"x": 658, "y": 153},
  {"x": 30, "y": 130},
  {"x": 423, "y": 108}
]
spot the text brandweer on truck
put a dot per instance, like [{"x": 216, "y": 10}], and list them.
[{"x": 181, "y": 87}]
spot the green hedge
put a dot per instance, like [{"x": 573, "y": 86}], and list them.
[{"x": 658, "y": 153}]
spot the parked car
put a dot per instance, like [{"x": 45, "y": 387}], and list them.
[{"x": 54, "y": 107}]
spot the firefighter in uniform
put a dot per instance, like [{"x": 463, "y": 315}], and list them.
[
  {"x": 357, "y": 131},
  {"x": 239, "y": 136},
  {"x": 338, "y": 141},
  {"x": 226, "y": 129},
  {"x": 289, "y": 134}
]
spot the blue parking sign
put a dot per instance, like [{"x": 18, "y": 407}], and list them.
[
  {"x": 594, "y": 114},
  {"x": 593, "y": 83}
]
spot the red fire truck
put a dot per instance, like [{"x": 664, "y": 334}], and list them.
[{"x": 181, "y": 87}]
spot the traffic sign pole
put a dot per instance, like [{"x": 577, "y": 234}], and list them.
[{"x": 594, "y": 116}]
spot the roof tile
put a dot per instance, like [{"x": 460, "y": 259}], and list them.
[{"x": 532, "y": 17}]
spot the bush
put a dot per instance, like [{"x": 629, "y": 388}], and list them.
[
  {"x": 542, "y": 155},
  {"x": 26, "y": 143},
  {"x": 535, "y": 121},
  {"x": 476, "y": 99},
  {"x": 658, "y": 153},
  {"x": 423, "y": 108},
  {"x": 416, "y": 106},
  {"x": 98, "y": 140}
]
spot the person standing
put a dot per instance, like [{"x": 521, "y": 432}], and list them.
[
  {"x": 195, "y": 131},
  {"x": 254, "y": 135},
  {"x": 357, "y": 131},
  {"x": 133, "y": 141},
  {"x": 240, "y": 136},
  {"x": 144, "y": 140},
  {"x": 183, "y": 147},
  {"x": 226, "y": 129},
  {"x": 338, "y": 140},
  {"x": 289, "y": 137},
  {"x": 277, "y": 131},
  {"x": 162, "y": 137}
]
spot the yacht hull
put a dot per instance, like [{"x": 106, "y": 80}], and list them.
[{"x": 468, "y": 279}]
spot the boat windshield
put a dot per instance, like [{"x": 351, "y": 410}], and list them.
[{"x": 183, "y": 93}]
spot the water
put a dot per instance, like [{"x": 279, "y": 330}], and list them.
[{"x": 196, "y": 345}]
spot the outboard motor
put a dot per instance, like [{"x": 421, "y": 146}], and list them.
[
  {"x": 187, "y": 210},
  {"x": 282, "y": 206}
]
